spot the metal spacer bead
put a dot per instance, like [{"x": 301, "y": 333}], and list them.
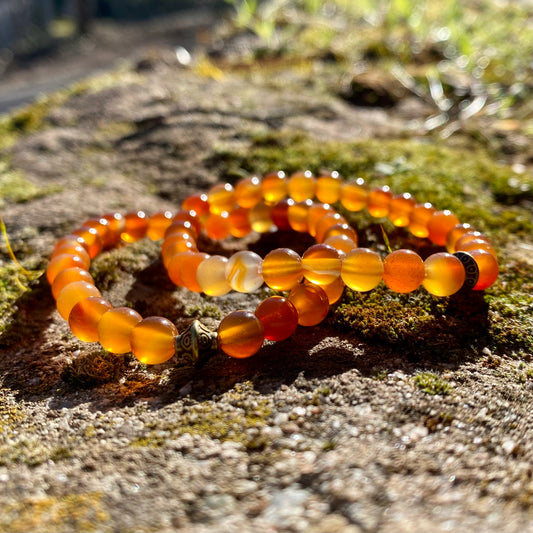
[{"x": 195, "y": 345}]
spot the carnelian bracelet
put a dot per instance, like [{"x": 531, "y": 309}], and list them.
[{"x": 261, "y": 206}]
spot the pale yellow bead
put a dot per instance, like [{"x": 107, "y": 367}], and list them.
[
  {"x": 211, "y": 276},
  {"x": 243, "y": 271}
]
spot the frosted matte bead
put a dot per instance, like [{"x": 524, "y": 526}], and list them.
[
  {"x": 403, "y": 271},
  {"x": 211, "y": 276},
  {"x": 243, "y": 271}
]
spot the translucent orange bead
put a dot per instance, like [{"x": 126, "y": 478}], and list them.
[
  {"x": 197, "y": 203},
  {"x": 180, "y": 226},
  {"x": 102, "y": 226},
  {"x": 176, "y": 248},
  {"x": 84, "y": 317},
  {"x": 221, "y": 197},
  {"x": 282, "y": 269},
  {"x": 353, "y": 195},
  {"x": 362, "y": 269},
  {"x": 400, "y": 209},
  {"x": 420, "y": 216},
  {"x": 217, "y": 226},
  {"x": 378, "y": 201},
  {"x": 211, "y": 276},
  {"x": 158, "y": 224},
  {"x": 325, "y": 223},
  {"x": 72, "y": 248},
  {"x": 478, "y": 244},
  {"x": 91, "y": 238},
  {"x": 174, "y": 264},
  {"x": 439, "y": 226},
  {"x": 71, "y": 294},
  {"x": 341, "y": 243},
  {"x": 62, "y": 262},
  {"x": 455, "y": 234},
  {"x": 328, "y": 188},
  {"x": 188, "y": 269},
  {"x": 321, "y": 264},
  {"x": 274, "y": 187},
  {"x": 188, "y": 216},
  {"x": 248, "y": 192},
  {"x": 279, "y": 318},
  {"x": 71, "y": 240},
  {"x": 240, "y": 334},
  {"x": 183, "y": 235},
  {"x": 243, "y": 271},
  {"x": 403, "y": 271},
  {"x": 340, "y": 229},
  {"x": 334, "y": 290},
  {"x": 115, "y": 327},
  {"x": 297, "y": 215},
  {"x": 311, "y": 302},
  {"x": 135, "y": 227},
  {"x": 70, "y": 275},
  {"x": 445, "y": 274},
  {"x": 301, "y": 186},
  {"x": 260, "y": 218},
  {"x": 116, "y": 226},
  {"x": 468, "y": 237},
  {"x": 279, "y": 213},
  {"x": 239, "y": 222},
  {"x": 315, "y": 214},
  {"x": 153, "y": 340},
  {"x": 488, "y": 269}
]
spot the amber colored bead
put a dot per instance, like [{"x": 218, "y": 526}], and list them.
[
  {"x": 239, "y": 222},
  {"x": 211, "y": 276},
  {"x": 278, "y": 316},
  {"x": 72, "y": 248},
  {"x": 468, "y": 237},
  {"x": 135, "y": 227},
  {"x": 378, "y": 201},
  {"x": 70, "y": 275},
  {"x": 102, "y": 226},
  {"x": 279, "y": 213},
  {"x": 197, "y": 203},
  {"x": 260, "y": 219},
  {"x": 158, "y": 224},
  {"x": 420, "y": 216},
  {"x": 297, "y": 215},
  {"x": 362, "y": 269},
  {"x": 455, "y": 234},
  {"x": 70, "y": 240},
  {"x": 301, "y": 186},
  {"x": 174, "y": 263},
  {"x": 91, "y": 238},
  {"x": 153, "y": 340},
  {"x": 282, "y": 269},
  {"x": 175, "y": 248},
  {"x": 62, "y": 262},
  {"x": 311, "y": 302},
  {"x": 71, "y": 294},
  {"x": 403, "y": 271},
  {"x": 315, "y": 214},
  {"x": 116, "y": 226},
  {"x": 274, "y": 187},
  {"x": 188, "y": 216},
  {"x": 325, "y": 223},
  {"x": 217, "y": 226},
  {"x": 248, "y": 192},
  {"x": 488, "y": 269},
  {"x": 328, "y": 188},
  {"x": 183, "y": 235},
  {"x": 478, "y": 244},
  {"x": 400, "y": 209},
  {"x": 115, "y": 327},
  {"x": 445, "y": 274},
  {"x": 341, "y": 229},
  {"x": 334, "y": 290},
  {"x": 221, "y": 197},
  {"x": 353, "y": 195},
  {"x": 84, "y": 317},
  {"x": 187, "y": 270},
  {"x": 240, "y": 334},
  {"x": 341, "y": 242},
  {"x": 243, "y": 271},
  {"x": 439, "y": 226},
  {"x": 179, "y": 227},
  {"x": 321, "y": 264}
]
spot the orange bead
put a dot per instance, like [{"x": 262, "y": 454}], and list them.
[
  {"x": 420, "y": 216},
  {"x": 325, "y": 223},
  {"x": 282, "y": 269},
  {"x": 84, "y": 317},
  {"x": 311, "y": 302},
  {"x": 260, "y": 218},
  {"x": 334, "y": 290},
  {"x": 243, "y": 271},
  {"x": 400, "y": 209},
  {"x": 197, "y": 203},
  {"x": 279, "y": 318},
  {"x": 468, "y": 237},
  {"x": 353, "y": 195},
  {"x": 188, "y": 216},
  {"x": 211, "y": 276},
  {"x": 248, "y": 192},
  {"x": 188, "y": 269},
  {"x": 239, "y": 222},
  {"x": 176, "y": 248},
  {"x": 158, "y": 224},
  {"x": 72, "y": 248},
  {"x": 315, "y": 214},
  {"x": 91, "y": 238},
  {"x": 135, "y": 226},
  {"x": 340, "y": 229},
  {"x": 153, "y": 340},
  {"x": 341, "y": 243},
  {"x": 301, "y": 186},
  {"x": 279, "y": 213},
  {"x": 71, "y": 294},
  {"x": 71, "y": 240},
  {"x": 455, "y": 234},
  {"x": 321, "y": 264},
  {"x": 217, "y": 226},
  {"x": 183, "y": 235},
  {"x": 274, "y": 187},
  {"x": 439, "y": 226},
  {"x": 328, "y": 188},
  {"x": 102, "y": 226},
  {"x": 478, "y": 244},
  {"x": 445, "y": 274},
  {"x": 362, "y": 269},
  {"x": 62, "y": 262},
  {"x": 378, "y": 201},
  {"x": 297, "y": 215},
  {"x": 180, "y": 226},
  {"x": 221, "y": 197},
  {"x": 116, "y": 227},
  {"x": 403, "y": 271},
  {"x": 115, "y": 327},
  {"x": 174, "y": 264},
  {"x": 240, "y": 334},
  {"x": 70, "y": 275},
  {"x": 488, "y": 269}
]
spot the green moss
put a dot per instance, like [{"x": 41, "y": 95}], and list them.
[
  {"x": 432, "y": 383},
  {"x": 200, "y": 311},
  {"x": 93, "y": 368}
]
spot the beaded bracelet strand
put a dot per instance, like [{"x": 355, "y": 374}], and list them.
[{"x": 314, "y": 281}]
